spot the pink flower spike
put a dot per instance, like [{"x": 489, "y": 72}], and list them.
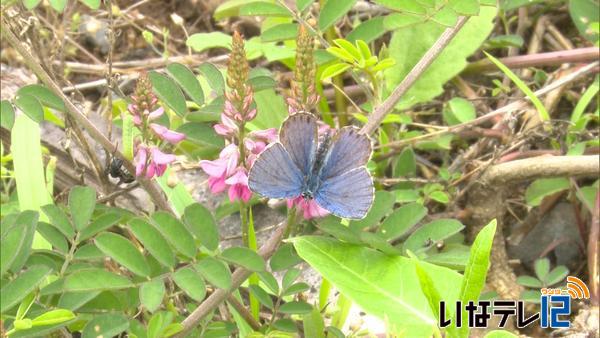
[
  {"x": 140, "y": 160},
  {"x": 166, "y": 134},
  {"x": 217, "y": 184},
  {"x": 137, "y": 120},
  {"x": 214, "y": 168},
  {"x": 156, "y": 114},
  {"x": 231, "y": 154},
  {"x": 150, "y": 170},
  {"x": 310, "y": 208},
  {"x": 239, "y": 177},
  {"x": 268, "y": 135},
  {"x": 239, "y": 186},
  {"x": 158, "y": 157}
]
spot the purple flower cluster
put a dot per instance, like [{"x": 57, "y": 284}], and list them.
[{"x": 149, "y": 160}]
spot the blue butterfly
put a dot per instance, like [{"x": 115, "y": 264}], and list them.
[{"x": 331, "y": 170}]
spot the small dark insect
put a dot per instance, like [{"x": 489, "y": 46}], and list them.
[{"x": 116, "y": 170}]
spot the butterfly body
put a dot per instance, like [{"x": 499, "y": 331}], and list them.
[
  {"x": 332, "y": 171},
  {"x": 313, "y": 181}
]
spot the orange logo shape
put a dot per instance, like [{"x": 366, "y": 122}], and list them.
[{"x": 577, "y": 289}]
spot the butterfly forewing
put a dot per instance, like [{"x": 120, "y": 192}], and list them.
[
  {"x": 299, "y": 137},
  {"x": 275, "y": 175},
  {"x": 349, "y": 150},
  {"x": 349, "y": 195}
]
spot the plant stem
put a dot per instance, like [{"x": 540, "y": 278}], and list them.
[
  {"x": 388, "y": 105},
  {"x": 238, "y": 277}
]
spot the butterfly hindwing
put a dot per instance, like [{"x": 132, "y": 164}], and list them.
[
  {"x": 349, "y": 150},
  {"x": 349, "y": 195},
  {"x": 274, "y": 174},
  {"x": 298, "y": 135}
]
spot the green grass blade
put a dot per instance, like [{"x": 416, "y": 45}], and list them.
[{"x": 522, "y": 86}]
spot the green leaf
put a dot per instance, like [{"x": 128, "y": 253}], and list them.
[
  {"x": 332, "y": 11},
  {"x": 301, "y": 5},
  {"x": 295, "y": 307},
  {"x": 215, "y": 272},
  {"x": 401, "y": 20},
  {"x": 231, "y": 8},
  {"x": 557, "y": 275},
  {"x": 7, "y": 114},
  {"x": 53, "y": 236},
  {"x": 284, "y": 258},
  {"x": 213, "y": 77},
  {"x": 82, "y": 202},
  {"x": 25, "y": 222},
  {"x": 175, "y": 233},
  {"x": 259, "y": 83},
  {"x": 460, "y": 111},
  {"x": 153, "y": 241},
  {"x": 200, "y": 42},
  {"x": 59, "y": 220},
  {"x": 464, "y": 7},
  {"x": 17, "y": 289},
  {"x": 269, "y": 280},
  {"x": 244, "y": 257},
  {"x": 127, "y": 136},
  {"x": 439, "y": 196},
  {"x": 88, "y": 252},
  {"x": 384, "y": 286},
  {"x": 188, "y": 82},
  {"x": 402, "y": 220},
  {"x": 420, "y": 37},
  {"x": 25, "y": 305},
  {"x": 101, "y": 223},
  {"x": 263, "y": 9},
  {"x": 93, "y": 4},
  {"x": 52, "y": 317},
  {"x": 95, "y": 279},
  {"x": 58, "y": 5},
  {"x": 341, "y": 54},
  {"x": 202, "y": 134},
  {"x": 123, "y": 252},
  {"x": 539, "y": 106},
  {"x": 382, "y": 205},
  {"x": 271, "y": 110},
  {"x": 74, "y": 300},
  {"x": 414, "y": 7},
  {"x": 190, "y": 282},
  {"x": 542, "y": 268},
  {"x": 107, "y": 325},
  {"x": 476, "y": 269},
  {"x": 179, "y": 198},
  {"x": 406, "y": 165},
  {"x": 13, "y": 243},
  {"x": 263, "y": 297},
  {"x": 529, "y": 281},
  {"x": 201, "y": 223},
  {"x": 152, "y": 293},
  {"x": 295, "y": 288},
  {"x": 44, "y": 95},
  {"x": 31, "y": 107},
  {"x": 168, "y": 92},
  {"x": 31, "y": 4},
  {"x": 583, "y": 13},
  {"x": 281, "y": 32},
  {"x": 368, "y": 30},
  {"x": 432, "y": 232},
  {"x": 543, "y": 187},
  {"x": 430, "y": 291},
  {"x": 585, "y": 100},
  {"x": 333, "y": 70}
]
